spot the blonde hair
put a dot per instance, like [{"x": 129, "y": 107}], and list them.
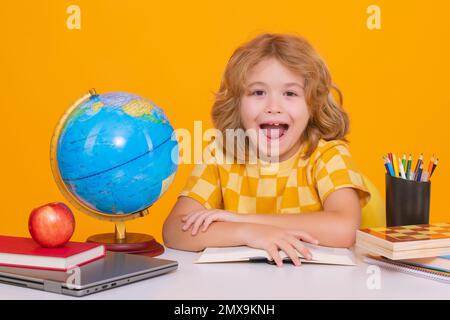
[{"x": 328, "y": 120}]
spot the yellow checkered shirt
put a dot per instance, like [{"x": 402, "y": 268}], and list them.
[{"x": 291, "y": 186}]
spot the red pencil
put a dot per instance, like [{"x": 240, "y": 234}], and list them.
[{"x": 390, "y": 156}]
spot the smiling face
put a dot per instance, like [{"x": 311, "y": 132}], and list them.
[{"x": 273, "y": 104}]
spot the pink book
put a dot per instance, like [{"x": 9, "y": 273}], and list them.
[{"x": 25, "y": 253}]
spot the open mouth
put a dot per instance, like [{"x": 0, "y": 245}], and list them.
[{"x": 274, "y": 130}]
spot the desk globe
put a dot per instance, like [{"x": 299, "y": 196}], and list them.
[{"x": 112, "y": 156}]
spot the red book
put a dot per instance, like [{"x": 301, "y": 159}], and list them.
[{"x": 25, "y": 253}]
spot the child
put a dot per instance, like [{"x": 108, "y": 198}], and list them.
[{"x": 304, "y": 185}]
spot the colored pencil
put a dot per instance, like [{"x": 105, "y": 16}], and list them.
[
  {"x": 425, "y": 176},
  {"x": 434, "y": 166},
  {"x": 408, "y": 166},
  {"x": 418, "y": 164},
  {"x": 419, "y": 174},
  {"x": 404, "y": 161},
  {"x": 388, "y": 166},
  {"x": 402, "y": 171},
  {"x": 395, "y": 164},
  {"x": 390, "y": 156},
  {"x": 430, "y": 165}
]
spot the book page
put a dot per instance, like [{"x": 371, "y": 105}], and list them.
[
  {"x": 241, "y": 253},
  {"x": 326, "y": 255}
]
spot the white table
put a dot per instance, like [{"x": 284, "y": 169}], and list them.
[{"x": 259, "y": 281}]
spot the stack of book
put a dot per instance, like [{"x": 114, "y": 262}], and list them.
[{"x": 416, "y": 249}]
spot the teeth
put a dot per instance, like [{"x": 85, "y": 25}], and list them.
[
  {"x": 273, "y": 124},
  {"x": 274, "y": 131}
]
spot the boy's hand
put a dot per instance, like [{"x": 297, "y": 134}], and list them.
[
  {"x": 206, "y": 217},
  {"x": 272, "y": 239}
]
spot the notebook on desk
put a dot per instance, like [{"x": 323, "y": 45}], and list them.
[{"x": 415, "y": 267}]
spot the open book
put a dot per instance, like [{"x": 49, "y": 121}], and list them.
[{"x": 322, "y": 255}]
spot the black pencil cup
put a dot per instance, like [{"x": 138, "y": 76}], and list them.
[{"x": 407, "y": 202}]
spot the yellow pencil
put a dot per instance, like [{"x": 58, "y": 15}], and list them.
[{"x": 395, "y": 163}]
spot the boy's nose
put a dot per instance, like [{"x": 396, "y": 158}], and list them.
[
  {"x": 273, "y": 108},
  {"x": 273, "y": 105}
]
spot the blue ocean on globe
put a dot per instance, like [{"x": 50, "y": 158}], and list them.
[{"x": 115, "y": 153}]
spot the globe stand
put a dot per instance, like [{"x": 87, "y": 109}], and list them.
[{"x": 121, "y": 241}]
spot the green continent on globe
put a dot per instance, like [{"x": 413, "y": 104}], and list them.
[{"x": 141, "y": 108}]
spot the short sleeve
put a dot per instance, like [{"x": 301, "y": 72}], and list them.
[
  {"x": 334, "y": 169},
  {"x": 203, "y": 185}
]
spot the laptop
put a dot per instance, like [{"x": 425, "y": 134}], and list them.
[{"x": 114, "y": 270}]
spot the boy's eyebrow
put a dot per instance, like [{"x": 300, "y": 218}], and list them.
[
  {"x": 289, "y": 84},
  {"x": 256, "y": 82}
]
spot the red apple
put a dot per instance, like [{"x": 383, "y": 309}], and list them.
[{"x": 51, "y": 225}]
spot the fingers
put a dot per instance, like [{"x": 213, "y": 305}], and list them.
[
  {"x": 303, "y": 236},
  {"x": 297, "y": 245},
  {"x": 273, "y": 252},
  {"x": 289, "y": 250},
  {"x": 189, "y": 219},
  {"x": 208, "y": 221},
  {"x": 187, "y": 216},
  {"x": 198, "y": 222},
  {"x": 205, "y": 217}
]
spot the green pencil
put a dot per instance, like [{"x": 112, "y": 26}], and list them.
[
  {"x": 404, "y": 161},
  {"x": 408, "y": 166}
]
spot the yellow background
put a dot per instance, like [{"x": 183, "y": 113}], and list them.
[{"x": 395, "y": 80}]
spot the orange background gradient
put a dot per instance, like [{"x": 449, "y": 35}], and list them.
[{"x": 395, "y": 80}]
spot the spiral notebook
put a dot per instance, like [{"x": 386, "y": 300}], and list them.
[{"x": 412, "y": 269}]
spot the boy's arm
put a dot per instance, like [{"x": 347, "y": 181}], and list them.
[
  {"x": 221, "y": 234},
  {"x": 335, "y": 226}
]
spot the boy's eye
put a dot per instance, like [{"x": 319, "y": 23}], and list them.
[
  {"x": 257, "y": 93},
  {"x": 291, "y": 94}
]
